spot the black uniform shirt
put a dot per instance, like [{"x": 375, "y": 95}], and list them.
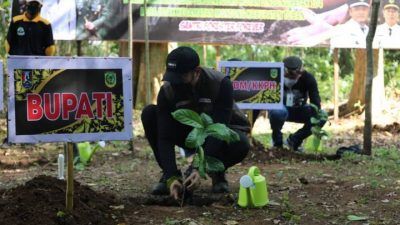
[
  {"x": 30, "y": 37},
  {"x": 221, "y": 113},
  {"x": 306, "y": 87}
]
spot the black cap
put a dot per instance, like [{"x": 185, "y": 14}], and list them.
[
  {"x": 391, "y": 4},
  {"x": 292, "y": 62},
  {"x": 38, "y": 1},
  {"x": 234, "y": 59},
  {"x": 354, "y": 3},
  {"x": 180, "y": 61}
]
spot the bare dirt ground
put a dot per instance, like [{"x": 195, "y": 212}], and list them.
[{"x": 302, "y": 190}]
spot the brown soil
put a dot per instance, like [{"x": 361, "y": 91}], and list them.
[
  {"x": 259, "y": 153},
  {"x": 40, "y": 199},
  {"x": 303, "y": 189},
  {"x": 393, "y": 128}
]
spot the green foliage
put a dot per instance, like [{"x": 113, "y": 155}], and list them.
[
  {"x": 392, "y": 70},
  {"x": 5, "y": 16},
  {"x": 189, "y": 117},
  {"x": 88, "y": 48},
  {"x": 213, "y": 165},
  {"x": 288, "y": 212},
  {"x": 203, "y": 127},
  {"x": 316, "y": 130},
  {"x": 61, "y": 214}
]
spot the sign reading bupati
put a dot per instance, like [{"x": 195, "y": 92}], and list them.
[
  {"x": 69, "y": 99},
  {"x": 256, "y": 85}
]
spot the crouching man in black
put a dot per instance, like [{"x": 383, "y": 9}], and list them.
[{"x": 189, "y": 86}]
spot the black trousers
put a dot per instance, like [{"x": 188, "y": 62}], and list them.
[{"x": 229, "y": 154}]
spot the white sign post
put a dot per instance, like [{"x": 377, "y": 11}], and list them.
[{"x": 63, "y": 99}]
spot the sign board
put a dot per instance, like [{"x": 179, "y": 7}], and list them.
[
  {"x": 61, "y": 99},
  {"x": 268, "y": 22},
  {"x": 256, "y": 85}
]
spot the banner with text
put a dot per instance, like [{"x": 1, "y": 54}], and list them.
[
  {"x": 304, "y": 23},
  {"x": 256, "y": 85},
  {"x": 64, "y": 99}
]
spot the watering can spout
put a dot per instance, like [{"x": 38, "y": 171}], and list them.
[{"x": 253, "y": 189}]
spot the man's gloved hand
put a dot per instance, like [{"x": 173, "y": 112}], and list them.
[
  {"x": 192, "y": 181},
  {"x": 175, "y": 189}
]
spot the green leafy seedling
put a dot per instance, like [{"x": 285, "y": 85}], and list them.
[
  {"x": 61, "y": 214},
  {"x": 203, "y": 127},
  {"x": 316, "y": 130}
]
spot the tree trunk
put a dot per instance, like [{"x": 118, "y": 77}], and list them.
[
  {"x": 123, "y": 49},
  {"x": 369, "y": 81},
  {"x": 357, "y": 93},
  {"x": 158, "y": 55},
  {"x": 356, "y": 102}
]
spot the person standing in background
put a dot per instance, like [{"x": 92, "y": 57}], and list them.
[
  {"x": 353, "y": 33},
  {"x": 29, "y": 33},
  {"x": 388, "y": 34}
]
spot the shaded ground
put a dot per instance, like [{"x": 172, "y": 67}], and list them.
[{"x": 114, "y": 189}]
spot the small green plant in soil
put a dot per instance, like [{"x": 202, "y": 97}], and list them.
[
  {"x": 61, "y": 214},
  {"x": 203, "y": 127},
  {"x": 318, "y": 133},
  {"x": 288, "y": 212}
]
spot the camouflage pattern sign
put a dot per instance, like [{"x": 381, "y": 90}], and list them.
[
  {"x": 256, "y": 85},
  {"x": 70, "y": 99}
]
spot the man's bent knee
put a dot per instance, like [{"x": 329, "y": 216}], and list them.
[
  {"x": 149, "y": 112},
  {"x": 278, "y": 114}
]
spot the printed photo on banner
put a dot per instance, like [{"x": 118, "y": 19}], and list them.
[
  {"x": 329, "y": 23},
  {"x": 256, "y": 85},
  {"x": 69, "y": 99}
]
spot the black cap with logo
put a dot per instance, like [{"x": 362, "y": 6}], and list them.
[
  {"x": 180, "y": 61},
  {"x": 292, "y": 62},
  {"x": 354, "y": 3}
]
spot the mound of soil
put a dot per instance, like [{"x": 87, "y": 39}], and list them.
[
  {"x": 393, "y": 128},
  {"x": 42, "y": 201},
  {"x": 258, "y": 153}
]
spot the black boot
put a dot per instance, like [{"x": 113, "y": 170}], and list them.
[
  {"x": 160, "y": 188},
  {"x": 219, "y": 183}
]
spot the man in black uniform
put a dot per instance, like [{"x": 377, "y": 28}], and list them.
[
  {"x": 29, "y": 33},
  {"x": 299, "y": 86},
  {"x": 187, "y": 85}
]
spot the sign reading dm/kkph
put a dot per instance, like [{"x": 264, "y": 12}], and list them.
[
  {"x": 69, "y": 99},
  {"x": 256, "y": 85}
]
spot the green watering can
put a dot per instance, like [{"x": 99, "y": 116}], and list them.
[
  {"x": 86, "y": 151},
  {"x": 253, "y": 189}
]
